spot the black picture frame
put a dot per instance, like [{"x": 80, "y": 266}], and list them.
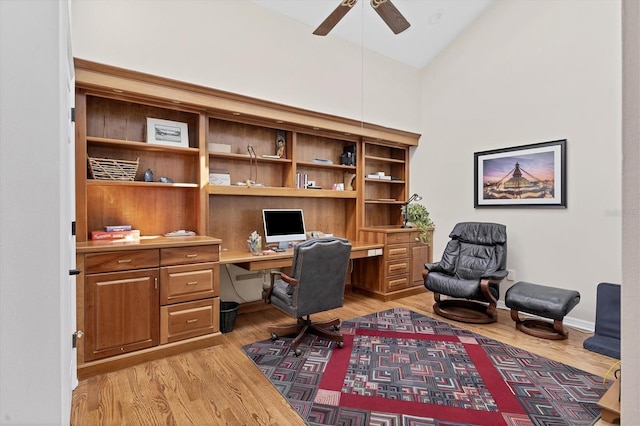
[{"x": 533, "y": 175}]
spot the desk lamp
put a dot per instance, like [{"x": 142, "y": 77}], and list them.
[{"x": 405, "y": 211}]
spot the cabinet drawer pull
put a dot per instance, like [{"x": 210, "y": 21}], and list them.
[
  {"x": 192, "y": 321},
  {"x": 192, "y": 283},
  {"x": 191, "y": 256},
  {"x": 124, "y": 260}
]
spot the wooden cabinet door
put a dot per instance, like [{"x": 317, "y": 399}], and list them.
[
  {"x": 420, "y": 254},
  {"x": 122, "y": 312}
]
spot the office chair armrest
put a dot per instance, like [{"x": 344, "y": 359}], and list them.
[
  {"x": 284, "y": 277},
  {"x": 267, "y": 293},
  {"x": 496, "y": 275},
  {"x": 433, "y": 267}
]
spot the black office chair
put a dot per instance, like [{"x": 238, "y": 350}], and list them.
[
  {"x": 470, "y": 271},
  {"x": 316, "y": 284}
]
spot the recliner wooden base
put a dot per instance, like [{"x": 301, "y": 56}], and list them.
[
  {"x": 305, "y": 327},
  {"x": 465, "y": 311},
  {"x": 543, "y": 301},
  {"x": 539, "y": 328}
]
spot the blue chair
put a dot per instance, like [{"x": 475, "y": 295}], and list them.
[{"x": 606, "y": 339}]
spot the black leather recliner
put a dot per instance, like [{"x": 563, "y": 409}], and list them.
[{"x": 472, "y": 266}]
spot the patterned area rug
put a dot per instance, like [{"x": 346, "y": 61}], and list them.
[{"x": 398, "y": 367}]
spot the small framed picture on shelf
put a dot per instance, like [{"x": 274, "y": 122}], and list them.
[{"x": 168, "y": 133}]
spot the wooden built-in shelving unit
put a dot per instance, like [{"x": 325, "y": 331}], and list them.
[{"x": 112, "y": 108}]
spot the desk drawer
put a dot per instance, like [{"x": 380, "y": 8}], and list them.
[
  {"x": 397, "y": 283},
  {"x": 185, "y": 320},
  {"x": 397, "y": 267},
  {"x": 399, "y": 237},
  {"x": 188, "y": 282},
  {"x": 398, "y": 251},
  {"x": 182, "y": 255},
  {"x": 121, "y": 261}
]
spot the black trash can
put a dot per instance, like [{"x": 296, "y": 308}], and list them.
[{"x": 228, "y": 312}]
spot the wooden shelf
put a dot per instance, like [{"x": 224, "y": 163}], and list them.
[
  {"x": 100, "y": 182},
  {"x": 139, "y": 145},
  {"x": 384, "y": 201},
  {"x": 326, "y": 166},
  {"x": 397, "y": 181},
  {"x": 269, "y": 191},
  {"x": 246, "y": 157},
  {"x": 383, "y": 159}
]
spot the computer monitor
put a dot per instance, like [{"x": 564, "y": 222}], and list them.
[{"x": 283, "y": 226}]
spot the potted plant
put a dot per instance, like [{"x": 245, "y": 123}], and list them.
[{"x": 418, "y": 216}]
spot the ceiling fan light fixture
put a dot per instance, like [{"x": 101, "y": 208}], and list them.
[{"x": 436, "y": 17}]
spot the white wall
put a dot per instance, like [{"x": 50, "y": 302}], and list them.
[
  {"x": 631, "y": 208},
  {"x": 238, "y": 47},
  {"x": 528, "y": 72},
  {"x": 35, "y": 301}
]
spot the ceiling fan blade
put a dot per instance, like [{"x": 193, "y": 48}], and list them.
[
  {"x": 390, "y": 15},
  {"x": 335, "y": 17}
]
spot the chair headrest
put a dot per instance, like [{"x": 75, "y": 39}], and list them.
[
  {"x": 480, "y": 233},
  {"x": 325, "y": 240}
]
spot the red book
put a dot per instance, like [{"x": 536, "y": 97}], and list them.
[{"x": 134, "y": 234}]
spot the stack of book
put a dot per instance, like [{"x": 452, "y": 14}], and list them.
[
  {"x": 302, "y": 180},
  {"x": 116, "y": 232},
  {"x": 379, "y": 175}
]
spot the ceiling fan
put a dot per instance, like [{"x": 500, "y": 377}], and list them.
[{"x": 387, "y": 11}]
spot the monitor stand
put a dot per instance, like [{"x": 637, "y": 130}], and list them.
[{"x": 283, "y": 245}]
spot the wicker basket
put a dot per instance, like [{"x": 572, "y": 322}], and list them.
[{"x": 110, "y": 169}]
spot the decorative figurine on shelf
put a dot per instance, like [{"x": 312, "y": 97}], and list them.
[
  {"x": 254, "y": 243},
  {"x": 148, "y": 175},
  {"x": 165, "y": 179},
  {"x": 281, "y": 144},
  {"x": 348, "y": 181}
]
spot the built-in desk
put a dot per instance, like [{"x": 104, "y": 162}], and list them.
[
  {"x": 251, "y": 262},
  {"x": 244, "y": 259},
  {"x": 399, "y": 272}
]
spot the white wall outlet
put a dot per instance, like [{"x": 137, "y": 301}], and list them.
[{"x": 511, "y": 274}]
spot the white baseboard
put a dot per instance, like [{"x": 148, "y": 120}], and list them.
[{"x": 587, "y": 326}]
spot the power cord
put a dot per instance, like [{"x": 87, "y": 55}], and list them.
[{"x": 604, "y": 380}]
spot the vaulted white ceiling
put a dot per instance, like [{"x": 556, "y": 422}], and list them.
[{"x": 434, "y": 24}]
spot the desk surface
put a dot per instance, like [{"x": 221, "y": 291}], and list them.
[{"x": 246, "y": 260}]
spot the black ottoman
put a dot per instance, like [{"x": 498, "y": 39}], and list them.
[{"x": 547, "y": 302}]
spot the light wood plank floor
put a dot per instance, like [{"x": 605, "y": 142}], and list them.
[{"x": 221, "y": 386}]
